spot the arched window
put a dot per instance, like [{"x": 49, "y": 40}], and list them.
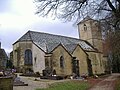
[
  {"x": 62, "y": 62},
  {"x": 85, "y": 27},
  {"x": 28, "y": 57}
]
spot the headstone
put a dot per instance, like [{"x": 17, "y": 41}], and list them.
[
  {"x": 18, "y": 82},
  {"x": 6, "y": 83}
]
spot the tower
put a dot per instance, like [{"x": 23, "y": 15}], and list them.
[{"x": 89, "y": 30}]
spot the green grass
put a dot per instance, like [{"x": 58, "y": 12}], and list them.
[
  {"x": 71, "y": 85},
  {"x": 117, "y": 86}
]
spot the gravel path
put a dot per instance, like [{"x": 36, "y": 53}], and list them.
[
  {"x": 32, "y": 84},
  {"x": 106, "y": 84}
]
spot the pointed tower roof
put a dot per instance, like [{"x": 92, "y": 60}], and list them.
[{"x": 85, "y": 19}]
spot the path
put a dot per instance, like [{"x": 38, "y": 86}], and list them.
[
  {"x": 106, "y": 84},
  {"x": 32, "y": 84}
]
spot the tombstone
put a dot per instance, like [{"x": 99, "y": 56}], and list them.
[
  {"x": 18, "y": 82},
  {"x": 6, "y": 83}
]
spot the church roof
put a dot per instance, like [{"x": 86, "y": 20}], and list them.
[
  {"x": 48, "y": 42},
  {"x": 70, "y": 47}
]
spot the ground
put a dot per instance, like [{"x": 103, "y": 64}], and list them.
[
  {"x": 32, "y": 84},
  {"x": 107, "y": 83},
  {"x": 104, "y": 83}
]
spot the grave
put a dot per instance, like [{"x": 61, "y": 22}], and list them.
[
  {"x": 18, "y": 82},
  {"x": 6, "y": 83}
]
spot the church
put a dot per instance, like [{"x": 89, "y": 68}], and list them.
[
  {"x": 38, "y": 51},
  {"x": 3, "y": 58}
]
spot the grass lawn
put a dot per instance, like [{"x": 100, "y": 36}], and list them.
[
  {"x": 69, "y": 85},
  {"x": 117, "y": 86}
]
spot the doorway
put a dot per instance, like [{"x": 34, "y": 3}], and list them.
[
  {"x": 75, "y": 68},
  {"x": 90, "y": 71}
]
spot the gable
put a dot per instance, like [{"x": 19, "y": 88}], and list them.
[
  {"x": 61, "y": 49},
  {"x": 79, "y": 50}
]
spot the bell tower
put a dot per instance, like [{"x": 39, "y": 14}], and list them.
[{"x": 89, "y": 30}]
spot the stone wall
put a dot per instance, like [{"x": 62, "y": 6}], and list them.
[
  {"x": 6, "y": 83},
  {"x": 81, "y": 56},
  {"x": 97, "y": 62},
  {"x": 57, "y": 53}
]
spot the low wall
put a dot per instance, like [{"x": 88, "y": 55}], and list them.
[{"x": 6, "y": 83}]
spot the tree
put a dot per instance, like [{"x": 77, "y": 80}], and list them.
[{"x": 77, "y": 9}]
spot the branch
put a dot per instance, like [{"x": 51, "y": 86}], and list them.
[
  {"x": 118, "y": 1},
  {"x": 111, "y": 6},
  {"x": 105, "y": 9}
]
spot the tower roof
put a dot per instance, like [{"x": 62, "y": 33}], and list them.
[{"x": 86, "y": 19}]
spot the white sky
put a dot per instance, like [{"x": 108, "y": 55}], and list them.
[{"x": 17, "y": 17}]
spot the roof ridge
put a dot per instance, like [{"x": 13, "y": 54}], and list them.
[
  {"x": 30, "y": 35},
  {"x": 55, "y": 35}
]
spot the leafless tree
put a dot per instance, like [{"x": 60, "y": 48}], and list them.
[{"x": 77, "y": 9}]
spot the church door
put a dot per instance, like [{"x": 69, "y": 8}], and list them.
[
  {"x": 76, "y": 67},
  {"x": 90, "y": 72}
]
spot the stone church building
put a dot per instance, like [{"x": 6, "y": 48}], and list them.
[
  {"x": 3, "y": 58},
  {"x": 37, "y": 51}
]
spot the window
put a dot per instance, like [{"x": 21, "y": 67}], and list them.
[
  {"x": 46, "y": 62},
  {"x": 35, "y": 58},
  {"x": 62, "y": 62},
  {"x": 28, "y": 57},
  {"x": 85, "y": 27}
]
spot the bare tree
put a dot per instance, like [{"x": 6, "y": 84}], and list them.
[{"x": 77, "y": 9}]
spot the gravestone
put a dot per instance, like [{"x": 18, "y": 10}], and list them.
[
  {"x": 6, "y": 83},
  {"x": 18, "y": 82}
]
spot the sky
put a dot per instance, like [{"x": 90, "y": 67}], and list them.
[{"x": 18, "y": 16}]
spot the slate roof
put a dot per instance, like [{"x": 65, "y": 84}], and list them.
[
  {"x": 70, "y": 47},
  {"x": 48, "y": 42}
]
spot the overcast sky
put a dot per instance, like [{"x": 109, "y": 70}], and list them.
[{"x": 17, "y": 17}]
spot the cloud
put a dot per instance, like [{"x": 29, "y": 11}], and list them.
[
  {"x": 20, "y": 17},
  {"x": 23, "y": 7}
]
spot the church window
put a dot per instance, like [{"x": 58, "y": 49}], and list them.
[
  {"x": 62, "y": 62},
  {"x": 46, "y": 62},
  {"x": 35, "y": 58},
  {"x": 85, "y": 27},
  {"x": 28, "y": 57}
]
